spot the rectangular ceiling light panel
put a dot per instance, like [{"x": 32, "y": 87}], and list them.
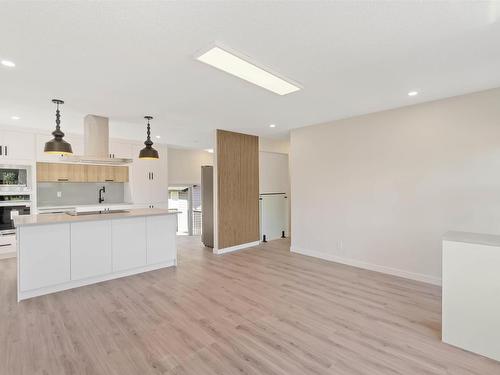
[{"x": 229, "y": 63}]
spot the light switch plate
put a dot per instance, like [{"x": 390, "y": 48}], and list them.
[{"x": 59, "y": 194}]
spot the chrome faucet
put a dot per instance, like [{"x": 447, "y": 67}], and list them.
[{"x": 101, "y": 190}]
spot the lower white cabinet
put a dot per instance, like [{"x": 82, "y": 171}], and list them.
[
  {"x": 90, "y": 255},
  {"x": 55, "y": 257},
  {"x": 160, "y": 240},
  {"x": 44, "y": 255},
  {"x": 7, "y": 245},
  {"x": 129, "y": 243}
]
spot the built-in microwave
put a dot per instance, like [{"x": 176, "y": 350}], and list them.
[{"x": 15, "y": 178}]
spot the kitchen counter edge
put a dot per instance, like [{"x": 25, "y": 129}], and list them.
[
  {"x": 44, "y": 219},
  {"x": 473, "y": 238}
]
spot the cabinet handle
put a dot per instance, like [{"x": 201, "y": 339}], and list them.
[
  {"x": 108, "y": 180},
  {"x": 5, "y": 150},
  {"x": 62, "y": 179},
  {"x": 1, "y": 147},
  {"x": 152, "y": 173}
]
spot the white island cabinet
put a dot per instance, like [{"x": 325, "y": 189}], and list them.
[
  {"x": 61, "y": 251},
  {"x": 471, "y": 292}
]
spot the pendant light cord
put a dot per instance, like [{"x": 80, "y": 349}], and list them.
[
  {"x": 58, "y": 117},
  {"x": 148, "y": 142}
]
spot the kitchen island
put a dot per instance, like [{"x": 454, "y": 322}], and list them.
[
  {"x": 61, "y": 251},
  {"x": 471, "y": 292}
]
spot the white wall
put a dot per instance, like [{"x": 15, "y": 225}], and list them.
[
  {"x": 184, "y": 165},
  {"x": 273, "y": 173},
  {"x": 274, "y": 145},
  {"x": 378, "y": 191},
  {"x": 274, "y": 170}
]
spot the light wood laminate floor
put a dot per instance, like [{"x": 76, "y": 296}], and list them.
[{"x": 259, "y": 311}]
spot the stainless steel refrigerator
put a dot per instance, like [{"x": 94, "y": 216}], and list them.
[{"x": 207, "y": 205}]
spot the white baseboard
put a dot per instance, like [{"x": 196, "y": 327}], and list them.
[
  {"x": 370, "y": 266},
  {"x": 21, "y": 295},
  {"x": 235, "y": 248}
]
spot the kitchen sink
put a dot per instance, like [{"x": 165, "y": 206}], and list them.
[{"x": 104, "y": 212}]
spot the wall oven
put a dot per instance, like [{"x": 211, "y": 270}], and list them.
[{"x": 12, "y": 205}]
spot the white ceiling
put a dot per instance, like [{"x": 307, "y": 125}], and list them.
[{"x": 128, "y": 59}]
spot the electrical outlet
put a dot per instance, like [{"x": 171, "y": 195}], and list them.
[{"x": 59, "y": 194}]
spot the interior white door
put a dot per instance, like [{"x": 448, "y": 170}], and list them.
[
  {"x": 44, "y": 255},
  {"x": 128, "y": 243},
  {"x": 161, "y": 238},
  {"x": 90, "y": 255}
]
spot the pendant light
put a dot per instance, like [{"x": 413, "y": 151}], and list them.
[
  {"x": 148, "y": 152},
  {"x": 58, "y": 145}
]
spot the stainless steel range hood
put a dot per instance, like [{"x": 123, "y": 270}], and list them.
[{"x": 96, "y": 143}]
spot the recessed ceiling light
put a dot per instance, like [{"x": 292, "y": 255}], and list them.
[
  {"x": 413, "y": 93},
  {"x": 237, "y": 66},
  {"x": 15, "y": 118},
  {"x": 158, "y": 137},
  {"x": 210, "y": 150},
  {"x": 8, "y": 63},
  {"x": 272, "y": 125}
]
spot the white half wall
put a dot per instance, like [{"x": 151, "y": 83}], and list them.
[
  {"x": 379, "y": 191},
  {"x": 184, "y": 165}
]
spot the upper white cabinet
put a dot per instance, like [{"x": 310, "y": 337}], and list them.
[
  {"x": 118, "y": 149},
  {"x": 149, "y": 179},
  {"x": 17, "y": 145}
]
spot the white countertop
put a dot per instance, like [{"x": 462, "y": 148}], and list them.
[
  {"x": 475, "y": 238},
  {"x": 42, "y": 219}
]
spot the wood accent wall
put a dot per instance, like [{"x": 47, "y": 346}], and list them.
[{"x": 237, "y": 188}]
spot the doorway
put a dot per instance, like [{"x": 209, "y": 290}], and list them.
[{"x": 187, "y": 201}]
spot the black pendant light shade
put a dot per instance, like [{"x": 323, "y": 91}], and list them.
[
  {"x": 58, "y": 145},
  {"x": 148, "y": 152}
]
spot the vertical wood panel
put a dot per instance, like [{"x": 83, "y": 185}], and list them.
[{"x": 237, "y": 188}]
